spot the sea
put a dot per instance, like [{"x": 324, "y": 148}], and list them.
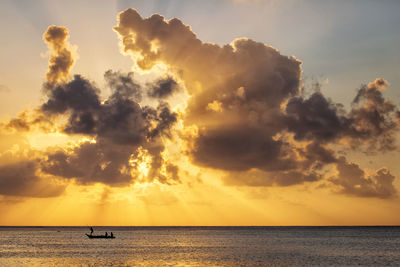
[{"x": 201, "y": 246}]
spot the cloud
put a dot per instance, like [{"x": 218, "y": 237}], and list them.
[
  {"x": 77, "y": 95},
  {"x": 239, "y": 137},
  {"x": 22, "y": 179},
  {"x": 92, "y": 163},
  {"x": 238, "y": 149},
  {"x": 61, "y": 58},
  {"x": 250, "y": 116},
  {"x": 163, "y": 88},
  {"x": 119, "y": 125},
  {"x": 306, "y": 167},
  {"x": 315, "y": 118},
  {"x": 354, "y": 181},
  {"x": 123, "y": 85},
  {"x": 370, "y": 124},
  {"x": 374, "y": 117},
  {"x": 29, "y": 120},
  {"x": 246, "y": 103}
]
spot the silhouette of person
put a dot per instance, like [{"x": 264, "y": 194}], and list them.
[
  {"x": 91, "y": 230},
  {"x": 112, "y": 234},
  {"x": 106, "y": 234}
]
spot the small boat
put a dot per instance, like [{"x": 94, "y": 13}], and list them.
[{"x": 100, "y": 236}]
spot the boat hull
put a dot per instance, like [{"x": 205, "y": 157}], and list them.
[{"x": 100, "y": 236}]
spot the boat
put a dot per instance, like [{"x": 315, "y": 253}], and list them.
[{"x": 100, "y": 236}]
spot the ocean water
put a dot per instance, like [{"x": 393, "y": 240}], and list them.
[{"x": 201, "y": 246}]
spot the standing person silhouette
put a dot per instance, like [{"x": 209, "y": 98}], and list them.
[{"x": 91, "y": 230}]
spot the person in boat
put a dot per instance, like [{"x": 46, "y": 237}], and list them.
[
  {"x": 91, "y": 230},
  {"x": 106, "y": 234},
  {"x": 112, "y": 234}
]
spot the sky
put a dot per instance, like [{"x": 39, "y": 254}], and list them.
[{"x": 220, "y": 112}]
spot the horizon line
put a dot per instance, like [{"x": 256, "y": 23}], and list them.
[{"x": 187, "y": 226}]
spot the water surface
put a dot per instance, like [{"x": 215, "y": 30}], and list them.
[{"x": 201, "y": 246}]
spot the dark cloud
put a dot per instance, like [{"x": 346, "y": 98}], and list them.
[
  {"x": 163, "y": 117},
  {"x": 314, "y": 152},
  {"x": 239, "y": 150},
  {"x": 315, "y": 118},
  {"x": 246, "y": 100},
  {"x": 22, "y": 179},
  {"x": 78, "y": 95},
  {"x": 374, "y": 118},
  {"x": 123, "y": 85},
  {"x": 163, "y": 88},
  {"x": 119, "y": 118},
  {"x": 287, "y": 169},
  {"x": 371, "y": 123},
  {"x": 119, "y": 125},
  {"x": 91, "y": 163},
  {"x": 354, "y": 181}
]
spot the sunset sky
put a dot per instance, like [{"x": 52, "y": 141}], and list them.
[{"x": 220, "y": 112}]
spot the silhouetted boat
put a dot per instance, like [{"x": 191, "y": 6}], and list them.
[{"x": 100, "y": 236}]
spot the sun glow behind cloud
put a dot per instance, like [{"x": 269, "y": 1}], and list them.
[{"x": 194, "y": 136}]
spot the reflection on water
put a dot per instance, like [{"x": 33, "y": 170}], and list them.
[{"x": 201, "y": 246}]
